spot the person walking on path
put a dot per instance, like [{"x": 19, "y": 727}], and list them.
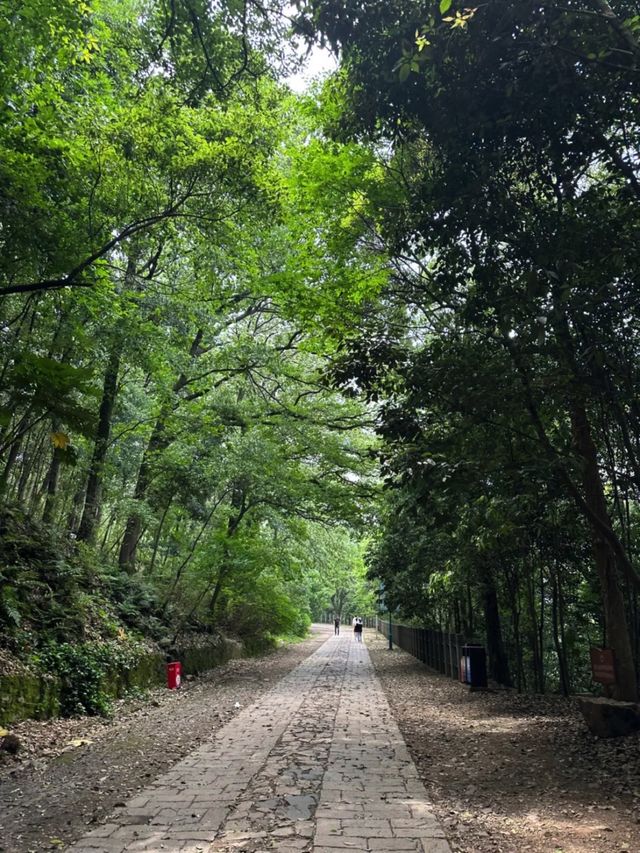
[
  {"x": 357, "y": 630},
  {"x": 336, "y": 626}
]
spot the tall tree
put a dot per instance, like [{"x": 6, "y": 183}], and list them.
[{"x": 513, "y": 136}]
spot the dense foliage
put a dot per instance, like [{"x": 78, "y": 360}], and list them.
[
  {"x": 504, "y": 354},
  {"x": 225, "y": 309},
  {"x": 173, "y": 455}
]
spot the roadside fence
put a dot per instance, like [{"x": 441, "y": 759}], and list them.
[{"x": 439, "y": 650}]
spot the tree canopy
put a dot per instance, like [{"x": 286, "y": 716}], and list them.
[
  {"x": 503, "y": 354},
  {"x": 258, "y": 345}
]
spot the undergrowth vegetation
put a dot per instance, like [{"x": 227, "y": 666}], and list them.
[{"x": 68, "y": 612}]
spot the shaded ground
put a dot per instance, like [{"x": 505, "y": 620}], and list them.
[
  {"x": 511, "y": 773},
  {"x": 315, "y": 764},
  {"x": 506, "y": 773},
  {"x": 61, "y": 787}
]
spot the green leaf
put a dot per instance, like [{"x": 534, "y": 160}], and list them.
[
  {"x": 445, "y": 5},
  {"x": 533, "y": 283}
]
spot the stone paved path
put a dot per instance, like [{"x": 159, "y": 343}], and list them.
[{"x": 317, "y": 764}]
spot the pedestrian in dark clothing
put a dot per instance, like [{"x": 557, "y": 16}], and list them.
[{"x": 336, "y": 626}]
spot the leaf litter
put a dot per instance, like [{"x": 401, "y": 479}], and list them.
[{"x": 509, "y": 772}]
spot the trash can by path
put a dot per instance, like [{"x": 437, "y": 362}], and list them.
[
  {"x": 473, "y": 666},
  {"x": 174, "y": 671}
]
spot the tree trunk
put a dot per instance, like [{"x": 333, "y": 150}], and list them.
[
  {"x": 470, "y": 622},
  {"x": 338, "y": 600},
  {"x": 25, "y": 473},
  {"x": 133, "y": 529},
  {"x": 218, "y": 588},
  {"x": 534, "y": 639},
  {"x": 37, "y": 472},
  {"x": 159, "y": 441},
  {"x": 498, "y": 662},
  {"x": 156, "y": 538},
  {"x": 617, "y": 632},
  {"x": 542, "y": 624},
  {"x": 51, "y": 480},
  {"x": 557, "y": 633},
  {"x": 107, "y": 531},
  {"x": 14, "y": 450},
  {"x": 238, "y": 503},
  {"x": 93, "y": 496},
  {"x": 77, "y": 503},
  {"x": 608, "y": 551},
  {"x": 51, "y": 486},
  {"x": 513, "y": 585}
]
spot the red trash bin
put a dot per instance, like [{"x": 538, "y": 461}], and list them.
[{"x": 174, "y": 670}]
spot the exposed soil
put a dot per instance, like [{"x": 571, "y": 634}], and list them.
[
  {"x": 510, "y": 773},
  {"x": 70, "y": 774}
]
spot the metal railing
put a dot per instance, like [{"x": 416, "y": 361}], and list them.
[{"x": 439, "y": 650}]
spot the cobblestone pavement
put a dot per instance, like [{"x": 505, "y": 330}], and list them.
[{"x": 317, "y": 764}]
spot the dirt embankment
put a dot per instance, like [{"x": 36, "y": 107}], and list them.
[{"x": 510, "y": 773}]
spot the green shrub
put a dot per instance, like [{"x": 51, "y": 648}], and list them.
[
  {"x": 265, "y": 611},
  {"x": 85, "y": 671}
]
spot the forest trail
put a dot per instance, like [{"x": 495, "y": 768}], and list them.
[{"x": 317, "y": 763}]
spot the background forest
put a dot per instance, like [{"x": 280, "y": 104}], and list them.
[
  {"x": 229, "y": 314},
  {"x": 174, "y": 457}
]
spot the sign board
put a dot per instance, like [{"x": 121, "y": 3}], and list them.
[{"x": 603, "y": 666}]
